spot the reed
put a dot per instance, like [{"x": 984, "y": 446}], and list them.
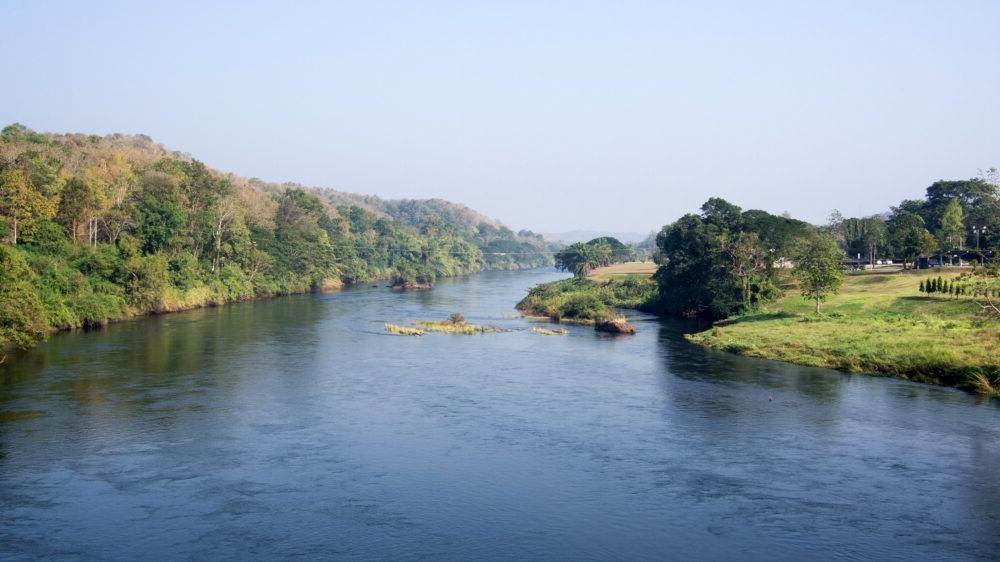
[
  {"x": 403, "y": 330},
  {"x": 545, "y": 332},
  {"x": 449, "y": 327}
]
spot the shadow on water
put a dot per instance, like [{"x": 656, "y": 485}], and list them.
[
  {"x": 136, "y": 365},
  {"x": 685, "y": 360}
]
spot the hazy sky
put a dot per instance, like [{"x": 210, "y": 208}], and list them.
[{"x": 552, "y": 116}]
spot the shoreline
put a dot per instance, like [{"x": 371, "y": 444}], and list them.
[{"x": 880, "y": 325}]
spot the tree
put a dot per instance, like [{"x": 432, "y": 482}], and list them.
[
  {"x": 77, "y": 205},
  {"x": 620, "y": 253},
  {"x": 580, "y": 258},
  {"x": 906, "y": 232},
  {"x": 723, "y": 214},
  {"x": 952, "y": 229},
  {"x": 742, "y": 258},
  {"x": 20, "y": 202},
  {"x": 818, "y": 269},
  {"x": 21, "y": 311}
]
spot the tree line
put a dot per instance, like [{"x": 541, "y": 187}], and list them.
[
  {"x": 98, "y": 228},
  {"x": 723, "y": 261}
]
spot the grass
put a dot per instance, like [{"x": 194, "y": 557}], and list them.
[
  {"x": 450, "y": 327},
  {"x": 546, "y": 332},
  {"x": 879, "y": 323},
  {"x": 623, "y": 270},
  {"x": 403, "y": 330}
]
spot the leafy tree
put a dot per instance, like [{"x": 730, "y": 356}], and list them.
[
  {"x": 909, "y": 237},
  {"x": 951, "y": 232},
  {"x": 818, "y": 269},
  {"x": 977, "y": 197},
  {"x": 573, "y": 258},
  {"x": 742, "y": 257},
  {"x": 723, "y": 214},
  {"x": 21, "y": 203},
  {"x": 619, "y": 253},
  {"x": 77, "y": 206},
  {"x": 780, "y": 234},
  {"x": 21, "y": 311}
]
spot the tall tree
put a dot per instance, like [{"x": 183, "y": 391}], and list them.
[
  {"x": 818, "y": 269},
  {"x": 951, "y": 232},
  {"x": 21, "y": 203},
  {"x": 723, "y": 214},
  {"x": 909, "y": 237}
]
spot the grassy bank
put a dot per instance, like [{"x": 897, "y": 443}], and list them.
[
  {"x": 593, "y": 299},
  {"x": 879, "y": 323},
  {"x": 620, "y": 271}
]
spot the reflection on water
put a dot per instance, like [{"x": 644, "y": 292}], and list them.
[{"x": 297, "y": 427}]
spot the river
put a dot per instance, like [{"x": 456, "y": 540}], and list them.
[{"x": 296, "y": 427}]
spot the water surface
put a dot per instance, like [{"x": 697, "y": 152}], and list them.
[{"x": 296, "y": 427}]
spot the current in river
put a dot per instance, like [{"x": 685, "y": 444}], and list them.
[{"x": 297, "y": 427}]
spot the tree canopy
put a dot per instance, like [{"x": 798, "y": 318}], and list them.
[
  {"x": 818, "y": 268},
  {"x": 115, "y": 226}
]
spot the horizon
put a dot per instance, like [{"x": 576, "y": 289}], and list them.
[{"x": 549, "y": 118}]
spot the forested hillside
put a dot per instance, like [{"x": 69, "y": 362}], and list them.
[{"x": 98, "y": 228}]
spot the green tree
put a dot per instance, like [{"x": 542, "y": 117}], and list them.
[
  {"x": 21, "y": 203},
  {"x": 77, "y": 205},
  {"x": 723, "y": 214},
  {"x": 818, "y": 269},
  {"x": 21, "y": 311},
  {"x": 909, "y": 237},
  {"x": 951, "y": 232},
  {"x": 581, "y": 258},
  {"x": 742, "y": 258}
]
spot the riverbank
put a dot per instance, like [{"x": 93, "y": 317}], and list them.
[
  {"x": 591, "y": 300},
  {"x": 881, "y": 324}
]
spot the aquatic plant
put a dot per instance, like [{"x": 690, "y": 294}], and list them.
[
  {"x": 545, "y": 332},
  {"x": 403, "y": 330},
  {"x": 450, "y": 327}
]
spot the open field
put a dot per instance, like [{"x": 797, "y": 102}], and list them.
[
  {"x": 620, "y": 270},
  {"x": 879, "y": 323}
]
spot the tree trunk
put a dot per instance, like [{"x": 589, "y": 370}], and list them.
[{"x": 817, "y": 305}]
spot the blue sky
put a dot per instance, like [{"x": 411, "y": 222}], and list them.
[{"x": 551, "y": 116}]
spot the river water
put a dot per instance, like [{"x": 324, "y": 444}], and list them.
[{"x": 296, "y": 427}]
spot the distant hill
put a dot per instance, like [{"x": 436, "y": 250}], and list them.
[
  {"x": 101, "y": 228},
  {"x": 588, "y": 235}
]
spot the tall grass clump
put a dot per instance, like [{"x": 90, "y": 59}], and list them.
[{"x": 403, "y": 330}]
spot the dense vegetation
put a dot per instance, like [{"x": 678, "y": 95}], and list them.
[
  {"x": 103, "y": 228},
  {"x": 720, "y": 265},
  {"x": 581, "y": 258},
  {"x": 722, "y": 262},
  {"x": 579, "y": 299},
  {"x": 954, "y": 216}
]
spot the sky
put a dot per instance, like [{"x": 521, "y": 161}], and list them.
[{"x": 548, "y": 115}]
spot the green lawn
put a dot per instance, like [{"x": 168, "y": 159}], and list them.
[{"x": 879, "y": 323}]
